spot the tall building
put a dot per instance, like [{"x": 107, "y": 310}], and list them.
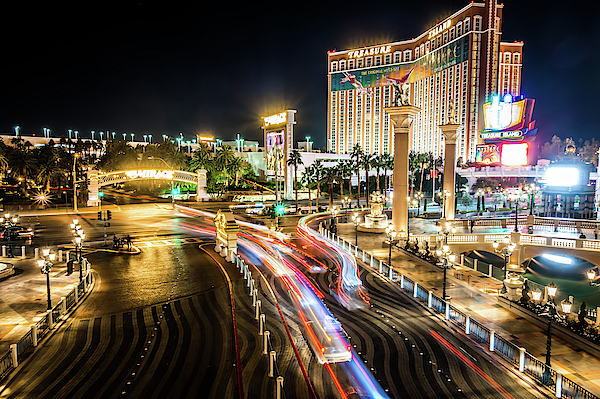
[{"x": 460, "y": 60}]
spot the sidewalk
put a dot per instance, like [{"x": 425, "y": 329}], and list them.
[
  {"x": 477, "y": 295},
  {"x": 23, "y": 296}
]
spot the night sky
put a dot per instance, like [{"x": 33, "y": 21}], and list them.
[{"x": 156, "y": 68}]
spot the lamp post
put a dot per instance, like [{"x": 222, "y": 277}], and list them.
[
  {"x": 45, "y": 265},
  {"x": 445, "y": 230},
  {"x": 8, "y": 224},
  {"x": 334, "y": 213},
  {"x": 591, "y": 275},
  {"x": 532, "y": 189},
  {"x": 480, "y": 203},
  {"x": 551, "y": 312},
  {"x": 391, "y": 234},
  {"x": 516, "y": 197},
  {"x": 419, "y": 199},
  {"x": 445, "y": 195},
  {"x": 356, "y": 221},
  {"x": 506, "y": 252},
  {"x": 345, "y": 205},
  {"x": 79, "y": 234},
  {"x": 447, "y": 259}
]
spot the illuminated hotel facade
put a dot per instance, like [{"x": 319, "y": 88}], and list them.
[{"x": 460, "y": 60}]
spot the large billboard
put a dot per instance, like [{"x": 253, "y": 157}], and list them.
[
  {"x": 488, "y": 154},
  {"x": 275, "y": 153},
  {"x": 437, "y": 60}
]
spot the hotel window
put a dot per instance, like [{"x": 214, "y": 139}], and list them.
[
  {"x": 467, "y": 24},
  {"x": 507, "y": 58},
  {"x": 388, "y": 58},
  {"x": 422, "y": 46},
  {"x": 516, "y": 58},
  {"x": 407, "y": 54},
  {"x": 360, "y": 63},
  {"x": 369, "y": 62},
  {"x": 334, "y": 66},
  {"x": 452, "y": 33},
  {"x": 445, "y": 37},
  {"x": 459, "y": 29},
  {"x": 477, "y": 23},
  {"x": 427, "y": 47},
  {"x": 377, "y": 60},
  {"x": 351, "y": 64},
  {"x": 397, "y": 57},
  {"x": 416, "y": 52},
  {"x": 342, "y": 65}
]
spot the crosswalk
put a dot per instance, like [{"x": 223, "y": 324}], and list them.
[{"x": 153, "y": 242}]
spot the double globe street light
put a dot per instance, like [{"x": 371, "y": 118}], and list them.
[
  {"x": 356, "y": 221},
  {"x": 78, "y": 240},
  {"x": 45, "y": 265},
  {"x": 506, "y": 252},
  {"x": 391, "y": 235},
  {"x": 550, "y": 310},
  {"x": 9, "y": 223}
]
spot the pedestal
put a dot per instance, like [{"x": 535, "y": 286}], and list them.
[
  {"x": 201, "y": 186},
  {"x": 449, "y": 132},
  {"x": 402, "y": 139}
]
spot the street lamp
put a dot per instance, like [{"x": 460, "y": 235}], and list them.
[
  {"x": 480, "y": 203},
  {"x": 78, "y": 240},
  {"x": 532, "y": 189},
  {"x": 391, "y": 234},
  {"x": 591, "y": 275},
  {"x": 506, "y": 252},
  {"x": 345, "y": 205},
  {"x": 515, "y": 197},
  {"x": 551, "y": 313},
  {"x": 334, "y": 212},
  {"x": 445, "y": 196},
  {"x": 8, "y": 223},
  {"x": 420, "y": 197},
  {"x": 447, "y": 258},
  {"x": 356, "y": 221},
  {"x": 445, "y": 230},
  {"x": 45, "y": 265}
]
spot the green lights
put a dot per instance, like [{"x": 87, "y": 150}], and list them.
[{"x": 279, "y": 209}]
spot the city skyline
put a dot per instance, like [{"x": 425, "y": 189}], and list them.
[{"x": 154, "y": 69}]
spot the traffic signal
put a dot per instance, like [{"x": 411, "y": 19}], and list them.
[
  {"x": 99, "y": 215},
  {"x": 108, "y": 215},
  {"x": 279, "y": 209},
  {"x": 100, "y": 194}
]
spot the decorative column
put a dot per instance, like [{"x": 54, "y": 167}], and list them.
[
  {"x": 402, "y": 140},
  {"x": 201, "y": 185},
  {"x": 449, "y": 131}
]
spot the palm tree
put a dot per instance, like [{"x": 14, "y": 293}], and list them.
[
  {"x": 317, "y": 177},
  {"x": 294, "y": 160},
  {"x": 223, "y": 158},
  {"x": 377, "y": 164},
  {"x": 202, "y": 158},
  {"x": 329, "y": 177},
  {"x": 425, "y": 159},
  {"x": 22, "y": 160},
  {"x": 307, "y": 181},
  {"x": 387, "y": 163},
  {"x": 355, "y": 157},
  {"x": 367, "y": 161}
]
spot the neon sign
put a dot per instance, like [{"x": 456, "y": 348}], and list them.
[
  {"x": 440, "y": 28},
  {"x": 369, "y": 51},
  {"x": 276, "y": 119},
  {"x": 149, "y": 174},
  {"x": 514, "y": 154},
  {"x": 503, "y": 115},
  {"x": 501, "y": 135}
]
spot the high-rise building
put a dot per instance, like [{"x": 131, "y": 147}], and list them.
[{"x": 460, "y": 60}]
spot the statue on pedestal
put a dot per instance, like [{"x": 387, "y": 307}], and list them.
[
  {"x": 401, "y": 95},
  {"x": 375, "y": 221}
]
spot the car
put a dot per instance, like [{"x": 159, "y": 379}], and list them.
[{"x": 19, "y": 232}]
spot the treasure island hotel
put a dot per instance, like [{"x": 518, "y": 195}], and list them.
[{"x": 459, "y": 60}]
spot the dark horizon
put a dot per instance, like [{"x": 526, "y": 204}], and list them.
[{"x": 153, "y": 68}]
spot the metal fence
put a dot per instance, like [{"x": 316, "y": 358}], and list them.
[
  {"x": 42, "y": 327},
  {"x": 507, "y": 350}
]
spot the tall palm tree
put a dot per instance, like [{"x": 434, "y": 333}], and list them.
[
  {"x": 22, "y": 160},
  {"x": 330, "y": 176},
  {"x": 355, "y": 157},
  {"x": 367, "y": 161},
  {"x": 318, "y": 171},
  {"x": 387, "y": 163},
  {"x": 307, "y": 182},
  {"x": 294, "y": 160},
  {"x": 223, "y": 158}
]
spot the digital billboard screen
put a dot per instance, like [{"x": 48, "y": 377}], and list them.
[
  {"x": 275, "y": 153},
  {"x": 488, "y": 154},
  {"x": 514, "y": 154}
]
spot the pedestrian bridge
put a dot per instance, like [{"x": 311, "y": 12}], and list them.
[{"x": 97, "y": 179}]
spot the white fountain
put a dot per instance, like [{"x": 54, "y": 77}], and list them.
[{"x": 376, "y": 221}]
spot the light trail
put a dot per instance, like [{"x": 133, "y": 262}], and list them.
[{"x": 471, "y": 365}]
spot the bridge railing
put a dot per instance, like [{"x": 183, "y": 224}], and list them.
[
  {"x": 10, "y": 359},
  {"x": 499, "y": 346}
]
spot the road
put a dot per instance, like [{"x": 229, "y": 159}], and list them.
[{"x": 160, "y": 324}]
